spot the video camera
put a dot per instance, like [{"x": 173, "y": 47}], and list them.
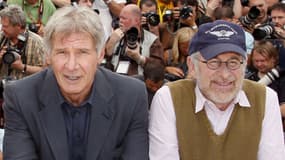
[{"x": 13, "y": 53}]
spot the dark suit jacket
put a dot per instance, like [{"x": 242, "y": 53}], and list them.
[{"x": 35, "y": 127}]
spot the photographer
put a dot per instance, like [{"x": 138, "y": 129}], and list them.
[
  {"x": 184, "y": 14},
  {"x": 37, "y": 13},
  {"x": 277, "y": 30},
  {"x": 150, "y": 19},
  {"x": 109, "y": 11},
  {"x": 129, "y": 47},
  {"x": 25, "y": 47},
  {"x": 262, "y": 6},
  {"x": 264, "y": 58}
]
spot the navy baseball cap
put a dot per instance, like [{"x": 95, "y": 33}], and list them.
[{"x": 218, "y": 37}]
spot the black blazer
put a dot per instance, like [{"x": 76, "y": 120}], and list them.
[{"x": 35, "y": 127}]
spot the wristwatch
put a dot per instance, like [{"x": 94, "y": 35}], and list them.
[{"x": 25, "y": 68}]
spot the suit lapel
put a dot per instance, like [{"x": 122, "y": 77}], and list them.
[
  {"x": 102, "y": 114},
  {"x": 51, "y": 118}
]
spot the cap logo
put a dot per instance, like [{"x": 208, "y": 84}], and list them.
[{"x": 223, "y": 33}]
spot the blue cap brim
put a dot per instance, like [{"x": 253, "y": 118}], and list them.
[{"x": 216, "y": 49}]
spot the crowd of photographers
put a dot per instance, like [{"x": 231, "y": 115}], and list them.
[{"x": 144, "y": 31}]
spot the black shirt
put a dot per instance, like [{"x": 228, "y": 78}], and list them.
[{"x": 76, "y": 122}]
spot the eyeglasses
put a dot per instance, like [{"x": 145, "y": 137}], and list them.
[{"x": 214, "y": 64}]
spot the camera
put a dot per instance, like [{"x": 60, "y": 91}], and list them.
[
  {"x": 185, "y": 12},
  {"x": 132, "y": 37},
  {"x": 12, "y": 53},
  {"x": 33, "y": 27},
  {"x": 152, "y": 18},
  {"x": 263, "y": 32},
  {"x": 167, "y": 16},
  {"x": 244, "y": 2},
  {"x": 10, "y": 56},
  {"x": 250, "y": 17},
  {"x": 271, "y": 76},
  {"x": 3, "y": 5}
]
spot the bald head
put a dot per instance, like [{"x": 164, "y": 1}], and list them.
[
  {"x": 133, "y": 9},
  {"x": 130, "y": 16}
]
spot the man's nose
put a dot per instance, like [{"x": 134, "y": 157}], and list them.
[{"x": 71, "y": 62}]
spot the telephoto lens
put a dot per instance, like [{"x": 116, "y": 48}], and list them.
[
  {"x": 271, "y": 76},
  {"x": 263, "y": 32},
  {"x": 247, "y": 20},
  {"x": 132, "y": 37}
]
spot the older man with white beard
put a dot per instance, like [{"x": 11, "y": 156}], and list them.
[{"x": 218, "y": 115}]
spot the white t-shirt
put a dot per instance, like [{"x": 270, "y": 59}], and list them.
[{"x": 105, "y": 15}]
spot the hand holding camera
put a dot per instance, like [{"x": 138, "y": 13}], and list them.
[
  {"x": 134, "y": 53},
  {"x": 178, "y": 13}
]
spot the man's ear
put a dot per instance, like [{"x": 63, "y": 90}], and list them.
[
  {"x": 191, "y": 67},
  {"x": 101, "y": 55},
  {"x": 48, "y": 59}
]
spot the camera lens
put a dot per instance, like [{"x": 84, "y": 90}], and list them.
[
  {"x": 132, "y": 38},
  {"x": 33, "y": 27},
  {"x": 9, "y": 57},
  {"x": 185, "y": 12},
  {"x": 250, "y": 17},
  {"x": 153, "y": 19}
]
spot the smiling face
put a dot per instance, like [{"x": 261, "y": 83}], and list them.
[
  {"x": 221, "y": 85},
  {"x": 74, "y": 61}
]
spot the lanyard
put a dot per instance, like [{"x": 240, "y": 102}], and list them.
[{"x": 40, "y": 12}]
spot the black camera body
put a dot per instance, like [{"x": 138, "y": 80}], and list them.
[
  {"x": 13, "y": 53},
  {"x": 264, "y": 31},
  {"x": 185, "y": 12},
  {"x": 3, "y": 5},
  {"x": 244, "y": 2},
  {"x": 33, "y": 27},
  {"x": 167, "y": 16},
  {"x": 152, "y": 18},
  {"x": 132, "y": 37},
  {"x": 249, "y": 19}
]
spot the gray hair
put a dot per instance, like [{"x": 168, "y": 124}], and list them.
[
  {"x": 15, "y": 14},
  {"x": 194, "y": 56},
  {"x": 69, "y": 19}
]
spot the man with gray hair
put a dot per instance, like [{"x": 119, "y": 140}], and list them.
[
  {"x": 21, "y": 51},
  {"x": 218, "y": 115},
  {"x": 74, "y": 109}
]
